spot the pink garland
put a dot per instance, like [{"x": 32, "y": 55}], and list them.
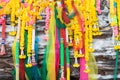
[
  {"x": 98, "y": 7},
  {"x": 47, "y": 18},
  {"x": 115, "y": 30},
  {"x": 47, "y": 21}
]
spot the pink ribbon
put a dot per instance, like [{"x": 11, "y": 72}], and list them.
[
  {"x": 57, "y": 52},
  {"x": 83, "y": 75}
]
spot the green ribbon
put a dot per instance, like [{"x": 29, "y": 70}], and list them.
[
  {"x": 61, "y": 53},
  {"x": 116, "y": 65},
  {"x": 58, "y": 22},
  {"x": 67, "y": 55},
  {"x": 17, "y": 53}
]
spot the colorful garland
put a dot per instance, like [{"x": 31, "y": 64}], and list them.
[
  {"x": 68, "y": 24},
  {"x": 115, "y": 16}
]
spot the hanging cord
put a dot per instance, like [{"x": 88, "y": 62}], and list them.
[{"x": 3, "y": 35}]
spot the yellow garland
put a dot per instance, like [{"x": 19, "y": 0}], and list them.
[
  {"x": 88, "y": 12},
  {"x": 29, "y": 48},
  {"x": 22, "y": 28},
  {"x": 118, "y": 10}
]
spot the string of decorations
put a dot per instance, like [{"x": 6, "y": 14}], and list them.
[
  {"x": 115, "y": 17},
  {"x": 68, "y": 24}
]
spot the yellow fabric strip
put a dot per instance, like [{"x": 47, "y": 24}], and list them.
[{"x": 51, "y": 47}]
